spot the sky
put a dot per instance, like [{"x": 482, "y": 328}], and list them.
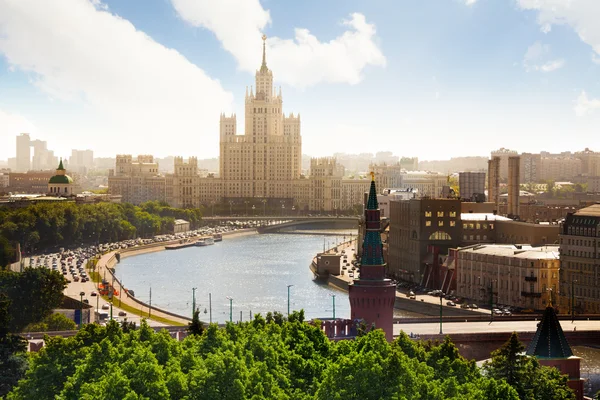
[{"x": 430, "y": 78}]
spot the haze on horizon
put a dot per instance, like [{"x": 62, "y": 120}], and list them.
[{"x": 432, "y": 79}]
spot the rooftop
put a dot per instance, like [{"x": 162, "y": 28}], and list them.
[
  {"x": 482, "y": 217},
  {"x": 591, "y": 211},
  {"x": 549, "y": 340},
  {"x": 517, "y": 251}
]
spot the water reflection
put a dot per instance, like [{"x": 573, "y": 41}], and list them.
[{"x": 590, "y": 367}]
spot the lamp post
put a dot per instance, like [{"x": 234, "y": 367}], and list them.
[
  {"x": 282, "y": 209},
  {"x": 230, "y": 207},
  {"x": 264, "y": 201},
  {"x": 253, "y": 210},
  {"x": 441, "y": 299},
  {"x": 230, "y": 308},
  {"x": 333, "y": 299},
  {"x": 193, "y": 301},
  {"x": 246, "y": 208},
  {"x": 81, "y": 294},
  {"x": 573, "y": 281},
  {"x": 491, "y": 301},
  {"x": 288, "y": 304},
  {"x": 212, "y": 205},
  {"x": 210, "y": 307}
]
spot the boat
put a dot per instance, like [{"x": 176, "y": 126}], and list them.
[
  {"x": 205, "y": 241},
  {"x": 218, "y": 237},
  {"x": 180, "y": 245}
]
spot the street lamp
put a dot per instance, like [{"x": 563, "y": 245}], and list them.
[
  {"x": 230, "y": 308},
  {"x": 253, "y": 210},
  {"x": 441, "y": 299},
  {"x": 230, "y": 205},
  {"x": 246, "y": 208},
  {"x": 193, "y": 302},
  {"x": 288, "y": 313},
  {"x": 282, "y": 209},
  {"x": 573, "y": 282},
  {"x": 264, "y": 201},
  {"x": 81, "y": 294},
  {"x": 333, "y": 299}
]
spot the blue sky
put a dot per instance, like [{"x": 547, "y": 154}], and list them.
[{"x": 428, "y": 78}]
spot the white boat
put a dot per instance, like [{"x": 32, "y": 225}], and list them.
[{"x": 205, "y": 242}]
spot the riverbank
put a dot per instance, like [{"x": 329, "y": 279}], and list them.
[
  {"x": 421, "y": 305},
  {"x": 108, "y": 261}
]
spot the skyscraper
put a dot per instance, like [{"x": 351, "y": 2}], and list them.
[
  {"x": 265, "y": 160},
  {"x": 23, "y": 153},
  {"x": 372, "y": 296}
]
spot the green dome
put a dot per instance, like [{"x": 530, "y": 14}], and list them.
[{"x": 62, "y": 179}]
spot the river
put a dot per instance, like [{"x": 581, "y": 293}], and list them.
[{"x": 253, "y": 270}]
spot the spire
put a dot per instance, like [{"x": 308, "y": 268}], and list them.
[
  {"x": 372, "y": 246},
  {"x": 263, "y": 67},
  {"x": 60, "y": 166},
  {"x": 549, "y": 340}
]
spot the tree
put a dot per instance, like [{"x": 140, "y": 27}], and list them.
[
  {"x": 196, "y": 327},
  {"x": 525, "y": 374},
  {"x": 32, "y": 294}
]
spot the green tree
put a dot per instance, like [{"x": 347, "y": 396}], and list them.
[
  {"x": 196, "y": 327},
  {"x": 32, "y": 294}
]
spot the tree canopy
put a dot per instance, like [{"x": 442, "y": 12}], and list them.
[
  {"x": 40, "y": 226},
  {"x": 264, "y": 358}
]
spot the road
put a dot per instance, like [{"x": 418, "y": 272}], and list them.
[{"x": 486, "y": 327}]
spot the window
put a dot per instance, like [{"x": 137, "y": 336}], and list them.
[
  {"x": 452, "y": 214},
  {"x": 428, "y": 214},
  {"x": 452, "y": 223},
  {"x": 440, "y": 214},
  {"x": 427, "y": 223},
  {"x": 440, "y": 223},
  {"x": 439, "y": 235}
]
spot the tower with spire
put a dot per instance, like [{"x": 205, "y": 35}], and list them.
[
  {"x": 372, "y": 295},
  {"x": 267, "y": 158}
]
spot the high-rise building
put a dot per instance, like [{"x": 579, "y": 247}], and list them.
[
  {"x": 264, "y": 161},
  {"x": 372, "y": 295},
  {"x": 23, "y": 153},
  {"x": 471, "y": 185},
  {"x": 530, "y": 167},
  {"x": 504, "y": 154},
  {"x": 494, "y": 181},
  {"x": 514, "y": 186},
  {"x": 81, "y": 161},
  {"x": 590, "y": 162}
]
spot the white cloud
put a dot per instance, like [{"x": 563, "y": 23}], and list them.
[
  {"x": 302, "y": 61},
  {"x": 584, "y": 105},
  {"x": 595, "y": 59},
  {"x": 140, "y": 91},
  {"x": 470, "y": 2},
  {"x": 535, "y": 59},
  {"x": 13, "y": 124},
  {"x": 581, "y": 15}
]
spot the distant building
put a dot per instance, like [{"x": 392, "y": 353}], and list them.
[
  {"x": 515, "y": 275},
  {"x": 471, "y": 185},
  {"x": 23, "y": 153},
  {"x": 61, "y": 184},
  {"x": 181, "y": 226},
  {"x": 4, "y": 180},
  {"x": 29, "y": 182},
  {"x": 137, "y": 181},
  {"x": 81, "y": 161},
  {"x": 503, "y": 154}
]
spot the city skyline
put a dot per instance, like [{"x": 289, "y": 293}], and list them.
[{"x": 406, "y": 78}]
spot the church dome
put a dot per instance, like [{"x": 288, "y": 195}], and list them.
[{"x": 61, "y": 179}]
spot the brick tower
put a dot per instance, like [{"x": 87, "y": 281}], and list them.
[{"x": 372, "y": 296}]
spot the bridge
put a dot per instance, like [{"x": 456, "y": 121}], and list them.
[{"x": 272, "y": 224}]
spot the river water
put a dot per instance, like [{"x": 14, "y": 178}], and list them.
[{"x": 253, "y": 270}]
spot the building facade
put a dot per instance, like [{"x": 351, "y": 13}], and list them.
[
  {"x": 61, "y": 184},
  {"x": 515, "y": 275},
  {"x": 580, "y": 259},
  {"x": 471, "y": 184},
  {"x": 137, "y": 180},
  {"x": 23, "y": 153}
]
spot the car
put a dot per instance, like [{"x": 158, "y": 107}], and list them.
[
  {"x": 474, "y": 306},
  {"x": 497, "y": 312},
  {"x": 507, "y": 313},
  {"x": 451, "y": 303},
  {"x": 465, "y": 305},
  {"x": 105, "y": 306},
  {"x": 413, "y": 297},
  {"x": 122, "y": 314}
]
